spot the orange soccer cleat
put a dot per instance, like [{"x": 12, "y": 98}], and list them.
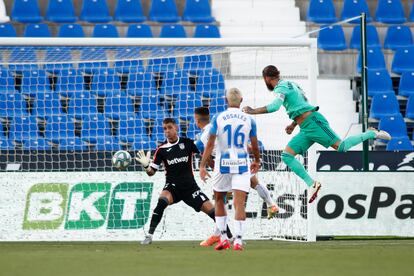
[
  {"x": 238, "y": 247},
  {"x": 223, "y": 245},
  {"x": 210, "y": 241}
]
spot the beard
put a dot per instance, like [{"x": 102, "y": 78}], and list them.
[{"x": 270, "y": 87}]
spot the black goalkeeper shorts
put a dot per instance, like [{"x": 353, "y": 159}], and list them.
[{"x": 192, "y": 196}]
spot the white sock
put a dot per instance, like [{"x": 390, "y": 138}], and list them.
[
  {"x": 239, "y": 230},
  {"x": 221, "y": 223},
  {"x": 265, "y": 194},
  {"x": 216, "y": 231}
]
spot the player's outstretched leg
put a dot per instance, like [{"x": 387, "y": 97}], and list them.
[
  {"x": 371, "y": 133},
  {"x": 264, "y": 193},
  {"x": 156, "y": 218}
]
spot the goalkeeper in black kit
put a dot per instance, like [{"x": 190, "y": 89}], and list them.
[{"x": 176, "y": 155}]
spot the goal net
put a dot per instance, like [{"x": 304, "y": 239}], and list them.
[{"x": 66, "y": 106}]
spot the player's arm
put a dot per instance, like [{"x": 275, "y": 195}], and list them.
[
  {"x": 254, "y": 148},
  {"x": 290, "y": 128},
  {"x": 145, "y": 160},
  {"x": 206, "y": 156},
  {"x": 200, "y": 146},
  {"x": 270, "y": 108}
]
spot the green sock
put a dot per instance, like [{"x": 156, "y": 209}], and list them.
[
  {"x": 355, "y": 140},
  {"x": 297, "y": 168}
]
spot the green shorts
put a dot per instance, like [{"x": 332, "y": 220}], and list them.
[{"x": 315, "y": 129}]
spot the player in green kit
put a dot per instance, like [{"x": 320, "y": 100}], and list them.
[{"x": 314, "y": 128}]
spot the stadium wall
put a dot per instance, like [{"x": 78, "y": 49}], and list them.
[{"x": 116, "y": 206}]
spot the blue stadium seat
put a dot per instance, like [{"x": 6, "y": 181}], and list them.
[
  {"x": 141, "y": 83},
  {"x": 129, "y": 128},
  {"x": 12, "y": 105},
  {"x": 59, "y": 127},
  {"x": 332, "y": 39},
  {"x": 409, "y": 111},
  {"x": 23, "y": 58},
  {"x": 7, "y": 30},
  {"x": 400, "y": 144},
  {"x": 95, "y": 11},
  {"x": 6, "y": 82},
  {"x": 197, "y": 63},
  {"x": 390, "y": 12},
  {"x": 82, "y": 104},
  {"x": 61, "y": 11},
  {"x": 71, "y": 30},
  {"x": 149, "y": 106},
  {"x": 217, "y": 105},
  {"x": 105, "y": 30},
  {"x": 37, "y": 30},
  {"x": 379, "y": 82},
  {"x": 321, "y": 11},
  {"x": 173, "y": 31},
  {"x": 207, "y": 31},
  {"x": 94, "y": 126},
  {"x": 26, "y": 11},
  {"x": 382, "y": 105},
  {"x": 406, "y": 87},
  {"x": 411, "y": 16},
  {"x": 23, "y": 128},
  {"x": 127, "y": 60},
  {"x": 210, "y": 83},
  {"x": 398, "y": 36},
  {"x": 403, "y": 60},
  {"x": 143, "y": 144},
  {"x": 105, "y": 81},
  {"x": 372, "y": 37},
  {"x": 174, "y": 83},
  {"x": 57, "y": 59},
  {"x": 129, "y": 11},
  {"x": 375, "y": 59},
  {"x": 185, "y": 104},
  {"x": 6, "y": 144},
  {"x": 394, "y": 125},
  {"x": 117, "y": 104},
  {"x": 46, "y": 105},
  {"x": 163, "y": 11},
  {"x": 107, "y": 143},
  {"x": 35, "y": 82},
  {"x": 69, "y": 82},
  {"x": 352, "y": 8},
  {"x": 139, "y": 30},
  {"x": 72, "y": 144},
  {"x": 197, "y": 11},
  {"x": 37, "y": 144},
  {"x": 93, "y": 59}
]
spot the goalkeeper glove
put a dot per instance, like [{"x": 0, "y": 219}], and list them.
[{"x": 143, "y": 158}]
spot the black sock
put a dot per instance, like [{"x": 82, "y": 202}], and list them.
[
  {"x": 213, "y": 216},
  {"x": 157, "y": 214}
]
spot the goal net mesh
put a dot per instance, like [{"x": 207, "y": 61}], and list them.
[{"x": 64, "y": 111}]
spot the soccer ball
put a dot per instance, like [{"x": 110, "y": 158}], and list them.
[{"x": 121, "y": 159}]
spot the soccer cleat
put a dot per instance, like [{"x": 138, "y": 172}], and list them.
[
  {"x": 223, "y": 245},
  {"x": 237, "y": 247},
  {"x": 147, "y": 240},
  {"x": 314, "y": 191},
  {"x": 210, "y": 241},
  {"x": 272, "y": 211},
  {"x": 380, "y": 134}
]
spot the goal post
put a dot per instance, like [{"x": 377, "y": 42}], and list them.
[{"x": 68, "y": 104}]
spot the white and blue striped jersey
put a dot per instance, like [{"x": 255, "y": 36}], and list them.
[{"x": 233, "y": 129}]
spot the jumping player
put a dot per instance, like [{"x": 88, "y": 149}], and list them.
[{"x": 314, "y": 128}]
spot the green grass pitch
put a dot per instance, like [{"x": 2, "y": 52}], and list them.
[{"x": 346, "y": 257}]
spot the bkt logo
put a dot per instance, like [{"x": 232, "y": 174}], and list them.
[{"x": 87, "y": 206}]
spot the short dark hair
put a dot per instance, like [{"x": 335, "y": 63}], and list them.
[
  {"x": 271, "y": 71},
  {"x": 169, "y": 121},
  {"x": 202, "y": 110}
]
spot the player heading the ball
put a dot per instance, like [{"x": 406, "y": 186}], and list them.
[{"x": 314, "y": 128}]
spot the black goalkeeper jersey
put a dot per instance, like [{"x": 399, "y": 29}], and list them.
[{"x": 177, "y": 161}]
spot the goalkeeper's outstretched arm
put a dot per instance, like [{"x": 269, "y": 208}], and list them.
[{"x": 145, "y": 160}]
